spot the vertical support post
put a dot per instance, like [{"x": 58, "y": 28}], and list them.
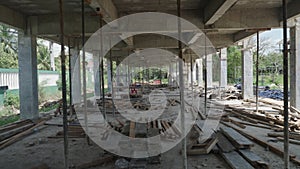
[
  {"x": 64, "y": 85},
  {"x": 84, "y": 68},
  {"x": 286, "y": 87},
  {"x": 257, "y": 71},
  {"x": 205, "y": 75},
  {"x": 28, "y": 76},
  {"x": 181, "y": 85},
  {"x": 223, "y": 68},
  {"x": 247, "y": 71},
  {"x": 102, "y": 66}
]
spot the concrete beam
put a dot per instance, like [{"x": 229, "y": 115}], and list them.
[
  {"x": 12, "y": 18},
  {"x": 215, "y": 9},
  {"x": 221, "y": 40},
  {"x": 241, "y": 35},
  {"x": 235, "y": 19},
  {"x": 154, "y": 41},
  {"x": 107, "y": 9},
  {"x": 293, "y": 9},
  {"x": 48, "y": 25}
]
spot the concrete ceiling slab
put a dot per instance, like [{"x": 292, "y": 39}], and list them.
[
  {"x": 258, "y": 4},
  {"x": 156, "y": 5},
  {"x": 42, "y": 7}
]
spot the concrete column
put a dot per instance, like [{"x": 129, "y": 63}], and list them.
[
  {"x": 109, "y": 80},
  {"x": 199, "y": 72},
  {"x": 170, "y": 78},
  {"x": 76, "y": 75},
  {"x": 223, "y": 68},
  {"x": 247, "y": 71},
  {"x": 96, "y": 73},
  {"x": 28, "y": 77},
  {"x": 209, "y": 64},
  {"x": 118, "y": 73},
  {"x": 295, "y": 66}
]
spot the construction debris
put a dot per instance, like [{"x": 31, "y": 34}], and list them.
[{"x": 16, "y": 137}]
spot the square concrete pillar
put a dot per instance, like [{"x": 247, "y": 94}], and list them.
[
  {"x": 209, "y": 70},
  {"x": 247, "y": 71},
  {"x": 199, "y": 72},
  {"x": 76, "y": 75},
  {"x": 223, "y": 68},
  {"x": 96, "y": 68},
  {"x": 295, "y": 66},
  {"x": 28, "y": 77},
  {"x": 170, "y": 78}
]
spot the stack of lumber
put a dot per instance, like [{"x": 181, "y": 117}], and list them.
[
  {"x": 236, "y": 150},
  {"x": 13, "y": 132},
  {"x": 231, "y": 93},
  {"x": 73, "y": 132},
  {"x": 277, "y": 118}
]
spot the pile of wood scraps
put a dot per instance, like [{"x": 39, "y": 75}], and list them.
[
  {"x": 276, "y": 116},
  {"x": 13, "y": 132},
  {"x": 231, "y": 93}
]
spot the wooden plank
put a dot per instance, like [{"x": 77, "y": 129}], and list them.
[
  {"x": 224, "y": 144},
  {"x": 203, "y": 148},
  {"x": 291, "y": 135},
  {"x": 236, "y": 161},
  {"x": 132, "y": 129},
  {"x": 14, "y": 125},
  {"x": 238, "y": 140},
  {"x": 290, "y": 140},
  {"x": 254, "y": 159},
  {"x": 293, "y": 109},
  {"x": 243, "y": 117},
  {"x": 17, "y": 137},
  {"x": 228, "y": 119},
  {"x": 272, "y": 148},
  {"x": 15, "y": 131}
]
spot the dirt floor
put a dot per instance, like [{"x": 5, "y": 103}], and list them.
[{"x": 38, "y": 149}]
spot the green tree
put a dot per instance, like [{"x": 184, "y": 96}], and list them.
[
  {"x": 234, "y": 64},
  {"x": 8, "y": 48},
  {"x": 43, "y": 56}
]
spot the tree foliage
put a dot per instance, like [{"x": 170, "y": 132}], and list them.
[
  {"x": 234, "y": 64},
  {"x": 9, "y": 50}
]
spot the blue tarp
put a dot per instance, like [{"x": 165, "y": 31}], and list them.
[{"x": 273, "y": 94}]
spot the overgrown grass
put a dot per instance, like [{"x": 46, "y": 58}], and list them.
[
  {"x": 49, "y": 108},
  {"x": 9, "y": 119}
]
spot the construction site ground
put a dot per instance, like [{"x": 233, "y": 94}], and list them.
[{"x": 38, "y": 149}]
